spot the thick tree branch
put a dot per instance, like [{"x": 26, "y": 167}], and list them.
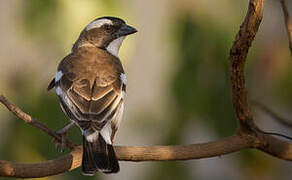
[
  {"x": 128, "y": 153},
  {"x": 247, "y": 136},
  {"x": 48, "y": 168},
  {"x": 275, "y": 147},
  {"x": 238, "y": 54},
  {"x": 287, "y": 23}
]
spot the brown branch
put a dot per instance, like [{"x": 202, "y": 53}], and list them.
[
  {"x": 273, "y": 114},
  {"x": 149, "y": 153},
  {"x": 29, "y": 120},
  {"x": 128, "y": 153},
  {"x": 247, "y": 136},
  {"x": 48, "y": 168},
  {"x": 275, "y": 147},
  {"x": 287, "y": 23},
  {"x": 238, "y": 54}
]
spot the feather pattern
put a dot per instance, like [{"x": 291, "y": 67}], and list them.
[
  {"x": 91, "y": 85},
  {"x": 91, "y": 88},
  {"x": 96, "y": 89}
]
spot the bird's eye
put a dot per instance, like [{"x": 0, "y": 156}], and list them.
[{"x": 108, "y": 28}]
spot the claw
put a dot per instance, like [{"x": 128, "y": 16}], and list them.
[
  {"x": 114, "y": 130},
  {"x": 62, "y": 145},
  {"x": 63, "y": 132}
]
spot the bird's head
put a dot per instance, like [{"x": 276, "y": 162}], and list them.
[{"x": 107, "y": 33}]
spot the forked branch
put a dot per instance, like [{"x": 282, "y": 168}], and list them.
[{"x": 247, "y": 135}]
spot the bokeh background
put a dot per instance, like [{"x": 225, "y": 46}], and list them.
[{"x": 178, "y": 86}]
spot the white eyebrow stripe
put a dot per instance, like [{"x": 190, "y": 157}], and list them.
[{"x": 98, "y": 23}]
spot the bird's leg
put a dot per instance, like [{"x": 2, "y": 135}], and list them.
[
  {"x": 62, "y": 132},
  {"x": 114, "y": 130}
]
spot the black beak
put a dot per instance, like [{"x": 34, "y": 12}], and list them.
[{"x": 126, "y": 30}]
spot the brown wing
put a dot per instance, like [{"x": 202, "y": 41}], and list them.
[{"x": 91, "y": 88}]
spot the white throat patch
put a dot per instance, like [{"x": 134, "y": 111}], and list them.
[
  {"x": 98, "y": 23},
  {"x": 115, "y": 45}
]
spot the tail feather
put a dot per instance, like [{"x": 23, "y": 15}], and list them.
[
  {"x": 113, "y": 162},
  {"x": 98, "y": 156}
]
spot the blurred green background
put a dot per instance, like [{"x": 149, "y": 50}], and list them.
[{"x": 178, "y": 86}]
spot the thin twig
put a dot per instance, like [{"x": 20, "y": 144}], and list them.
[
  {"x": 29, "y": 120},
  {"x": 273, "y": 114},
  {"x": 287, "y": 23}
]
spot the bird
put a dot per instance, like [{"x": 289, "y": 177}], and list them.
[{"x": 91, "y": 84}]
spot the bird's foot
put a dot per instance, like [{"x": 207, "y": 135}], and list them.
[
  {"x": 63, "y": 132},
  {"x": 61, "y": 145}
]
